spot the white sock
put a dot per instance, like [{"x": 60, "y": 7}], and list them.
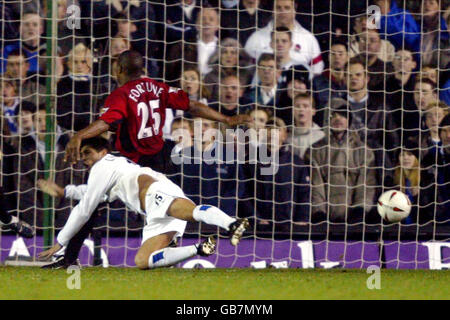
[
  {"x": 170, "y": 256},
  {"x": 212, "y": 215},
  {"x": 14, "y": 219}
]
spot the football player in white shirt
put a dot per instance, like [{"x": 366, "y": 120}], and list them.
[{"x": 149, "y": 193}]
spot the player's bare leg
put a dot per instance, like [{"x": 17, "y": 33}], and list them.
[
  {"x": 151, "y": 245},
  {"x": 185, "y": 209},
  {"x": 155, "y": 252}
]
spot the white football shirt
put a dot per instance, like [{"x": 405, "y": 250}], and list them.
[{"x": 110, "y": 178}]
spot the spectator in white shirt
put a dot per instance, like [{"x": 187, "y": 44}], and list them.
[
  {"x": 207, "y": 37},
  {"x": 305, "y": 49}
]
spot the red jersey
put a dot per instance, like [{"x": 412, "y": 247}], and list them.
[{"x": 137, "y": 111}]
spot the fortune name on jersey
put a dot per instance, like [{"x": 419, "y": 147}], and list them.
[{"x": 142, "y": 88}]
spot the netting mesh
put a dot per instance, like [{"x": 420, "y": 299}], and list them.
[{"x": 357, "y": 90}]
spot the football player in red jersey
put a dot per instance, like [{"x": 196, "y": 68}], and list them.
[{"x": 136, "y": 112}]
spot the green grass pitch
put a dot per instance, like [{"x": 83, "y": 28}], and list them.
[{"x": 211, "y": 284}]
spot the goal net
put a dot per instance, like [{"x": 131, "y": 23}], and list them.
[{"x": 348, "y": 100}]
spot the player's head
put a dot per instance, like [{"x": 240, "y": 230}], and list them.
[
  {"x": 93, "y": 149},
  {"x": 131, "y": 65}
]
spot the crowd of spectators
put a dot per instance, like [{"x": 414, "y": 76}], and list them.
[{"x": 352, "y": 105}]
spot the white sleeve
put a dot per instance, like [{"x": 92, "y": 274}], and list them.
[
  {"x": 250, "y": 45},
  {"x": 100, "y": 181},
  {"x": 72, "y": 191},
  {"x": 317, "y": 64}
]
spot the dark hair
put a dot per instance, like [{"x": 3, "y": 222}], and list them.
[
  {"x": 31, "y": 11},
  {"x": 266, "y": 57},
  {"x": 444, "y": 123},
  {"x": 357, "y": 60},
  {"x": 233, "y": 75},
  {"x": 410, "y": 145},
  {"x": 96, "y": 143},
  {"x": 18, "y": 52},
  {"x": 339, "y": 41},
  {"x": 426, "y": 80},
  {"x": 131, "y": 62},
  {"x": 120, "y": 16},
  {"x": 9, "y": 82},
  {"x": 307, "y": 96},
  {"x": 282, "y": 29},
  {"x": 27, "y": 106},
  {"x": 298, "y": 72},
  {"x": 374, "y": 2}
]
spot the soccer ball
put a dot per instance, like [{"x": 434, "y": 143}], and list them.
[{"x": 393, "y": 206}]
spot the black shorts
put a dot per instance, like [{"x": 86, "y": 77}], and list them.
[{"x": 160, "y": 161}]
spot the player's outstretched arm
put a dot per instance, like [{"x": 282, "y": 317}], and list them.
[
  {"x": 51, "y": 188},
  {"x": 96, "y": 128},
  {"x": 100, "y": 180},
  {"x": 198, "y": 109}
]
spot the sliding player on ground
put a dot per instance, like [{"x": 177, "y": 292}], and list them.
[{"x": 149, "y": 193}]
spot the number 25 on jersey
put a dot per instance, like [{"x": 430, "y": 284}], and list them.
[{"x": 143, "y": 112}]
